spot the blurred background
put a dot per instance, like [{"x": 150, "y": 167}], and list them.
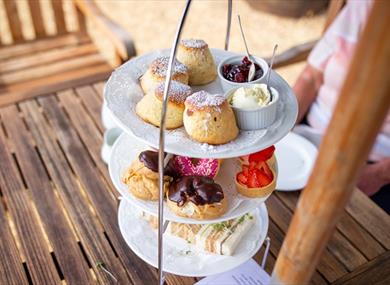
[{"x": 152, "y": 23}]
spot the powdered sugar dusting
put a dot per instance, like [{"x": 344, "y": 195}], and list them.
[
  {"x": 178, "y": 92},
  {"x": 159, "y": 66},
  {"x": 192, "y": 43},
  {"x": 203, "y": 99}
]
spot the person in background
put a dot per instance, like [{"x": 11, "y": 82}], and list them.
[{"x": 318, "y": 87}]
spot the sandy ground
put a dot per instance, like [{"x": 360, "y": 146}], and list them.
[{"x": 152, "y": 24}]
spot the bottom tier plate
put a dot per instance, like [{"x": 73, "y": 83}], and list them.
[{"x": 180, "y": 257}]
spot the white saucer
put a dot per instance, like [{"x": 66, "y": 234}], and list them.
[
  {"x": 126, "y": 150},
  {"x": 180, "y": 257},
  {"x": 296, "y": 157}
]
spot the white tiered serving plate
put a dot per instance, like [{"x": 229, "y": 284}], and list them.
[
  {"x": 122, "y": 92},
  {"x": 181, "y": 257},
  {"x": 126, "y": 149}
]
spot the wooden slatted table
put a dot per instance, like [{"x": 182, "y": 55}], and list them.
[{"x": 59, "y": 208}]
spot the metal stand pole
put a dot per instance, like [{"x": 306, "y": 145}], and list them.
[
  {"x": 229, "y": 22},
  {"x": 162, "y": 144}
]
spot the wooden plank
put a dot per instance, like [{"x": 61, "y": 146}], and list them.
[
  {"x": 46, "y": 57},
  {"x": 11, "y": 268},
  {"x": 330, "y": 267},
  {"x": 82, "y": 25},
  {"x": 328, "y": 270},
  {"x": 172, "y": 279},
  {"x": 92, "y": 103},
  {"x": 27, "y": 90},
  {"x": 86, "y": 130},
  {"x": 89, "y": 229},
  {"x": 35, "y": 248},
  {"x": 99, "y": 87},
  {"x": 68, "y": 254},
  {"x": 36, "y": 72},
  {"x": 341, "y": 248},
  {"x": 13, "y": 19},
  {"x": 37, "y": 19},
  {"x": 342, "y": 152},
  {"x": 103, "y": 201},
  {"x": 355, "y": 233},
  {"x": 59, "y": 17},
  {"x": 39, "y": 45},
  {"x": 371, "y": 217},
  {"x": 377, "y": 271},
  {"x": 120, "y": 39}
]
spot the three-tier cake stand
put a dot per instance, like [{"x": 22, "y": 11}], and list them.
[{"x": 121, "y": 94}]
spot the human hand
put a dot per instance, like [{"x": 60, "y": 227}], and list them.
[{"x": 372, "y": 178}]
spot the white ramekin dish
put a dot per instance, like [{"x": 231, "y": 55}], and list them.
[
  {"x": 255, "y": 119},
  {"x": 227, "y": 85}
]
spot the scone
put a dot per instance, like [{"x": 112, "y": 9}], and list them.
[
  {"x": 196, "y": 197},
  {"x": 142, "y": 177},
  {"x": 149, "y": 108},
  {"x": 157, "y": 71},
  {"x": 209, "y": 118},
  {"x": 195, "y": 54}
]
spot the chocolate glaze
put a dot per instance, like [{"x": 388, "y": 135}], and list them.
[
  {"x": 150, "y": 159},
  {"x": 199, "y": 190}
]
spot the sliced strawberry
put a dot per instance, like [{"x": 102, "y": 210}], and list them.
[
  {"x": 252, "y": 165},
  {"x": 263, "y": 166},
  {"x": 245, "y": 169},
  {"x": 241, "y": 178},
  {"x": 263, "y": 179},
  {"x": 252, "y": 179},
  {"x": 257, "y": 178},
  {"x": 262, "y": 155}
]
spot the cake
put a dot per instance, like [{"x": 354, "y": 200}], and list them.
[
  {"x": 157, "y": 71},
  {"x": 209, "y": 118},
  {"x": 195, "y": 54},
  {"x": 188, "y": 166},
  {"x": 196, "y": 197},
  {"x": 142, "y": 176},
  {"x": 150, "y": 106}
]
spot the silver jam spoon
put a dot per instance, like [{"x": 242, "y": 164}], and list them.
[
  {"x": 269, "y": 72},
  {"x": 252, "y": 69}
]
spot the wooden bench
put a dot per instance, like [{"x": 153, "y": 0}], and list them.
[{"x": 48, "y": 63}]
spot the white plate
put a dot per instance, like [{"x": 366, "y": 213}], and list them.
[
  {"x": 296, "y": 157},
  {"x": 122, "y": 92},
  {"x": 126, "y": 150},
  {"x": 142, "y": 240}
]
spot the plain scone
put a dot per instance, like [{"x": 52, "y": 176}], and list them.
[
  {"x": 149, "y": 108},
  {"x": 157, "y": 71},
  {"x": 195, "y": 54},
  {"x": 208, "y": 118}
]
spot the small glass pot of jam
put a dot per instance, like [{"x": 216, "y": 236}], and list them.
[{"x": 233, "y": 71}]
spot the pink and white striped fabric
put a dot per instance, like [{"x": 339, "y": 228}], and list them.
[{"x": 332, "y": 56}]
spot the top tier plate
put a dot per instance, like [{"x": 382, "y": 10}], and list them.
[{"x": 122, "y": 92}]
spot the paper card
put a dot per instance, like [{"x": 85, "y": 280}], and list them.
[{"x": 249, "y": 273}]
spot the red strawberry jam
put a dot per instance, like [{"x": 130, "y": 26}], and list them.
[{"x": 239, "y": 72}]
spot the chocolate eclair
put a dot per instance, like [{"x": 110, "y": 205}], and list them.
[
  {"x": 196, "y": 197},
  {"x": 142, "y": 176}
]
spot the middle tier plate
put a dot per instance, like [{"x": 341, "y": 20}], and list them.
[{"x": 126, "y": 150}]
